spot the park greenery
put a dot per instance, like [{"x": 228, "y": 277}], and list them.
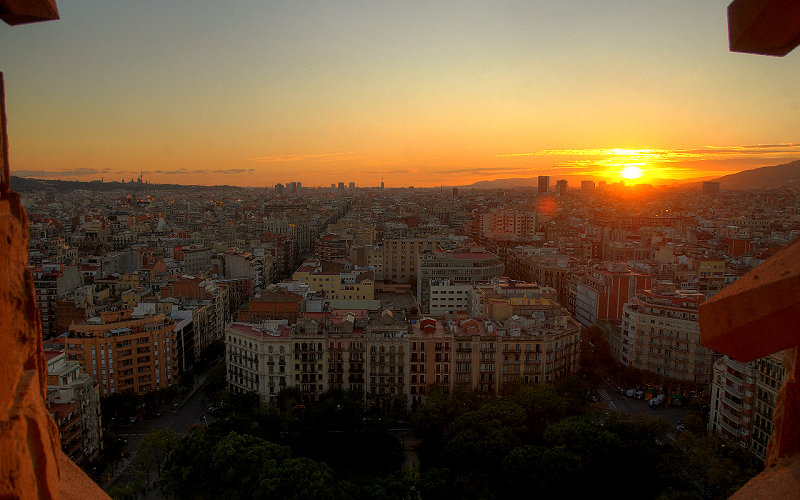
[{"x": 539, "y": 440}]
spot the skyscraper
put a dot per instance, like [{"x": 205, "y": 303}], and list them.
[
  {"x": 561, "y": 187},
  {"x": 544, "y": 184},
  {"x": 711, "y": 188}
]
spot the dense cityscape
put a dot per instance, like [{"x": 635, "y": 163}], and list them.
[
  {"x": 396, "y": 301},
  {"x": 383, "y": 250}
]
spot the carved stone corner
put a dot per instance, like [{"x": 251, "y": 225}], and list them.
[{"x": 32, "y": 465}]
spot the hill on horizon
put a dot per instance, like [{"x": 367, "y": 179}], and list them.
[
  {"x": 763, "y": 177},
  {"x": 757, "y": 178}
]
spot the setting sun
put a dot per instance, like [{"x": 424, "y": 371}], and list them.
[{"x": 632, "y": 173}]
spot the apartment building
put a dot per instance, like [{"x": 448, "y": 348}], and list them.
[
  {"x": 369, "y": 256},
  {"x": 732, "y": 412},
  {"x": 459, "y": 268},
  {"x": 195, "y": 259},
  {"x": 431, "y": 348},
  {"x": 73, "y": 400},
  {"x": 53, "y": 281},
  {"x": 123, "y": 352},
  {"x": 447, "y": 297},
  {"x": 661, "y": 334},
  {"x": 384, "y": 357},
  {"x": 489, "y": 355},
  {"x": 401, "y": 256},
  {"x": 356, "y": 284},
  {"x": 771, "y": 375},
  {"x": 602, "y": 293},
  {"x": 522, "y": 224},
  {"x": 710, "y": 277},
  {"x": 259, "y": 358}
]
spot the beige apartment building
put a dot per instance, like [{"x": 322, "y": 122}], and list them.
[
  {"x": 385, "y": 358},
  {"x": 122, "y": 352},
  {"x": 661, "y": 334},
  {"x": 259, "y": 358},
  {"x": 357, "y": 284},
  {"x": 401, "y": 256}
]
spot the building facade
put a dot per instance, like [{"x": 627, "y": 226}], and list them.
[
  {"x": 122, "y": 352},
  {"x": 602, "y": 293},
  {"x": 732, "y": 401},
  {"x": 459, "y": 268},
  {"x": 771, "y": 375},
  {"x": 661, "y": 334},
  {"x": 73, "y": 399}
]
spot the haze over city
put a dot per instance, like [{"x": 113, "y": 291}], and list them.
[{"x": 411, "y": 93}]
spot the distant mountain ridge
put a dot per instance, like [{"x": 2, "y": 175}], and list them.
[
  {"x": 28, "y": 184},
  {"x": 764, "y": 177},
  {"x": 786, "y": 174}
]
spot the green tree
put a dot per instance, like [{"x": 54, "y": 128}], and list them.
[
  {"x": 216, "y": 386},
  {"x": 536, "y": 470},
  {"x": 584, "y": 438},
  {"x": 300, "y": 479},
  {"x": 543, "y": 406},
  {"x": 123, "y": 491},
  {"x": 156, "y": 446}
]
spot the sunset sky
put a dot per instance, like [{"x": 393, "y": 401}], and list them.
[{"x": 422, "y": 93}]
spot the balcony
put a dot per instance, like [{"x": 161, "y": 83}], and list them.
[
  {"x": 733, "y": 431},
  {"x": 729, "y": 389},
  {"x": 728, "y": 414},
  {"x": 733, "y": 378}
]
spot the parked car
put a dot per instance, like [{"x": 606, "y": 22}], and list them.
[
  {"x": 639, "y": 395},
  {"x": 631, "y": 393}
]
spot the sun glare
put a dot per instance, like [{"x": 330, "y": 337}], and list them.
[{"x": 632, "y": 173}]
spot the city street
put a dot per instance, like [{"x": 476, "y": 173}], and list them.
[
  {"x": 190, "y": 411},
  {"x": 619, "y": 402}
]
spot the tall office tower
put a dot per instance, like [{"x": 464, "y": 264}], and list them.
[
  {"x": 455, "y": 192},
  {"x": 711, "y": 188},
  {"x": 561, "y": 187},
  {"x": 587, "y": 185},
  {"x": 544, "y": 184},
  {"x": 352, "y": 185},
  {"x": 341, "y": 185}
]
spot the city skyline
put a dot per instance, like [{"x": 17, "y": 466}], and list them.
[{"x": 408, "y": 93}]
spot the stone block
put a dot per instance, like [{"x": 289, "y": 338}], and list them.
[
  {"x": 766, "y": 27},
  {"x": 758, "y": 314}
]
